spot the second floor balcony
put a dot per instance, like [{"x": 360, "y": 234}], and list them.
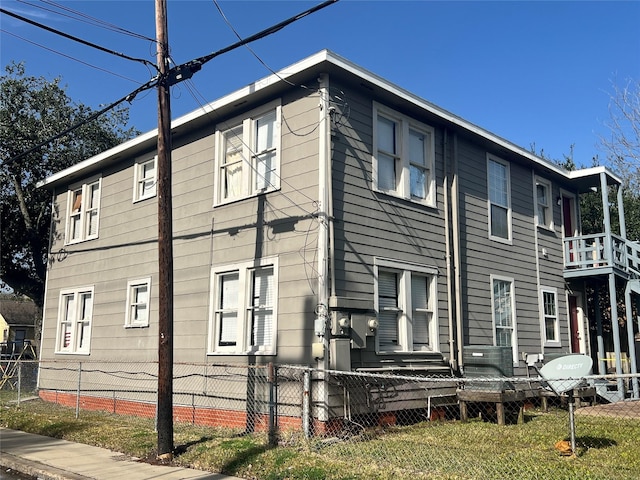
[{"x": 587, "y": 255}]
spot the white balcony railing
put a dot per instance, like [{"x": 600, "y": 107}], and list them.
[{"x": 600, "y": 250}]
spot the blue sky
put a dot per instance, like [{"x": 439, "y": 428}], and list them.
[{"x": 532, "y": 72}]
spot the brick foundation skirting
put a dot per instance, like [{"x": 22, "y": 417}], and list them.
[{"x": 210, "y": 417}]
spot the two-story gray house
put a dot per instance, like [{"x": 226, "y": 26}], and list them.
[{"x": 325, "y": 217}]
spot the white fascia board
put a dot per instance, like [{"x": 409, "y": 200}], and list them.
[
  {"x": 90, "y": 162},
  {"x": 587, "y": 172},
  {"x": 448, "y": 116},
  {"x": 309, "y": 62},
  {"x": 189, "y": 117}
]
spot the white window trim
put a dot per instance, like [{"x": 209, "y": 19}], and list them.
[
  {"x": 137, "y": 169},
  {"x": 514, "y": 333},
  {"x": 242, "y": 346},
  {"x": 404, "y": 172},
  {"x": 509, "y": 239},
  {"x": 549, "y": 225},
  {"x": 76, "y": 292},
  {"x": 247, "y": 121},
  {"x": 545, "y": 341},
  {"x": 85, "y": 187},
  {"x": 404, "y": 293},
  {"x": 131, "y": 284}
]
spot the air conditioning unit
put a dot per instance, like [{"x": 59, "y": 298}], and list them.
[{"x": 490, "y": 362}]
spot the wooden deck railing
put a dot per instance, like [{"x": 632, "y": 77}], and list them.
[{"x": 600, "y": 250}]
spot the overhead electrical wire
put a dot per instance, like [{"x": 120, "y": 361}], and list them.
[
  {"x": 128, "y": 98},
  {"x": 68, "y": 56},
  {"x": 83, "y": 17},
  {"x": 175, "y": 75},
  {"x": 76, "y": 39}
]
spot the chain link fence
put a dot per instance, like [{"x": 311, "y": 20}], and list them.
[{"x": 373, "y": 425}]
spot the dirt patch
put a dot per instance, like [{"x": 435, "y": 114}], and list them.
[{"x": 625, "y": 409}]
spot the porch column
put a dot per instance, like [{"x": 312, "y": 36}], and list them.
[
  {"x": 615, "y": 330},
  {"x": 623, "y": 226},
  {"x": 608, "y": 247},
  {"x": 602, "y": 366},
  {"x": 630, "y": 336}
]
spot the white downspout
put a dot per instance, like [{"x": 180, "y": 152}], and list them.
[
  {"x": 447, "y": 238},
  {"x": 455, "y": 207}
]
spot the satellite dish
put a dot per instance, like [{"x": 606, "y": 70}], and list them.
[{"x": 566, "y": 373}]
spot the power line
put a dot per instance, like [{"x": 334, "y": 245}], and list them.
[
  {"x": 175, "y": 75},
  {"x": 150, "y": 84},
  {"x": 75, "y": 39},
  {"x": 83, "y": 17},
  {"x": 67, "y": 56},
  {"x": 263, "y": 33}
]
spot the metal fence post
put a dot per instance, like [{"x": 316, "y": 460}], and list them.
[
  {"x": 19, "y": 380},
  {"x": 78, "y": 390},
  {"x": 306, "y": 403},
  {"x": 273, "y": 400}
]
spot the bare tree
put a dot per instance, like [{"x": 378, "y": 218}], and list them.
[{"x": 622, "y": 144}]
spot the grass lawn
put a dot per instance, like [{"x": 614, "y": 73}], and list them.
[{"x": 608, "y": 448}]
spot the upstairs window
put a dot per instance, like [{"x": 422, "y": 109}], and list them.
[
  {"x": 145, "y": 181},
  {"x": 74, "y": 321},
  {"x": 244, "y": 309},
  {"x": 403, "y": 160},
  {"x": 499, "y": 199},
  {"x": 406, "y": 303},
  {"x": 83, "y": 212},
  {"x": 544, "y": 213},
  {"x": 248, "y": 155}
]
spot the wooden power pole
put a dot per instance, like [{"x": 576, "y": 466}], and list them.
[{"x": 165, "y": 242}]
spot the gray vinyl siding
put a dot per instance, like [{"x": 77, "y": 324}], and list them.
[
  {"x": 371, "y": 224},
  {"x": 482, "y": 256},
  {"x": 203, "y": 236}
]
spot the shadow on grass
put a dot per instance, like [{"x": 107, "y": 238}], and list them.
[
  {"x": 595, "y": 442},
  {"x": 181, "y": 449},
  {"x": 58, "y": 429}
]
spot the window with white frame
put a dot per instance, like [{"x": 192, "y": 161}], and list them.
[
  {"x": 403, "y": 160},
  {"x": 499, "y": 199},
  {"x": 138, "y": 305},
  {"x": 544, "y": 212},
  {"x": 504, "y": 314},
  {"x": 550, "y": 320},
  {"x": 405, "y": 304},
  {"x": 83, "y": 212},
  {"x": 74, "y": 321},
  {"x": 144, "y": 183},
  {"x": 248, "y": 155},
  {"x": 244, "y": 308}
]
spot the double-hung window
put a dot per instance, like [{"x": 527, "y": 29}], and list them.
[
  {"x": 144, "y": 184},
  {"x": 504, "y": 314},
  {"x": 544, "y": 212},
  {"x": 406, "y": 304},
  {"x": 248, "y": 155},
  {"x": 83, "y": 212},
  {"x": 244, "y": 308},
  {"x": 403, "y": 160},
  {"x": 498, "y": 186},
  {"x": 138, "y": 292},
  {"x": 550, "y": 320},
  {"x": 74, "y": 321}
]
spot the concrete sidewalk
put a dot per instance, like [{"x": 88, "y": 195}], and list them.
[{"x": 53, "y": 459}]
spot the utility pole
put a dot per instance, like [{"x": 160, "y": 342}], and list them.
[{"x": 165, "y": 242}]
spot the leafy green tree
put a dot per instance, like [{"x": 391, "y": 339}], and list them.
[{"x": 32, "y": 110}]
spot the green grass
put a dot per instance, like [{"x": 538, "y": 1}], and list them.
[{"x": 607, "y": 448}]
